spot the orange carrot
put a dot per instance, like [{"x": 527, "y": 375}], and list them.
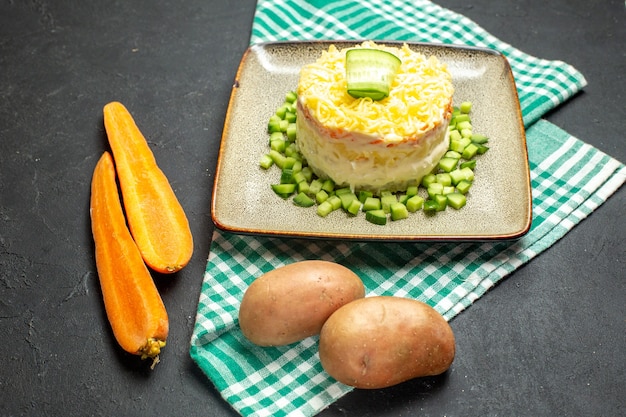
[
  {"x": 155, "y": 217},
  {"x": 131, "y": 300}
]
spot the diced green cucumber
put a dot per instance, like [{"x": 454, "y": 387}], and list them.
[
  {"x": 291, "y": 131},
  {"x": 284, "y": 190},
  {"x": 303, "y": 187},
  {"x": 386, "y": 201},
  {"x": 481, "y": 148},
  {"x": 370, "y": 72},
  {"x": 435, "y": 189},
  {"x": 470, "y": 151},
  {"x": 455, "y": 135},
  {"x": 286, "y": 176},
  {"x": 298, "y": 177},
  {"x": 461, "y": 174},
  {"x": 479, "y": 139},
  {"x": 442, "y": 202},
  {"x": 444, "y": 178},
  {"x": 291, "y": 97},
  {"x": 324, "y": 209},
  {"x": 347, "y": 198},
  {"x": 456, "y": 200},
  {"x": 266, "y": 161},
  {"x": 471, "y": 164},
  {"x": 463, "y": 186},
  {"x": 378, "y": 217},
  {"x": 334, "y": 201},
  {"x": 364, "y": 195},
  {"x": 398, "y": 211},
  {"x": 465, "y": 107},
  {"x": 428, "y": 179},
  {"x": 447, "y": 164},
  {"x": 303, "y": 200},
  {"x": 308, "y": 173},
  {"x": 430, "y": 206},
  {"x": 411, "y": 190},
  {"x": 371, "y": 203},
  {"x": 321, "y": 196},
  {"x": 414, "y": 203},
  {"x": 278, "y": 158},
  {"x": 315, "y": 186},
  {"x": 328, "y": 185},
  {"x": 354, "y": 207}
]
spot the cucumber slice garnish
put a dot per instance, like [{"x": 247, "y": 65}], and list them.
[{"x": 370, "y": 72}]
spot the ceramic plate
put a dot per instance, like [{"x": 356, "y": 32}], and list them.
[{"x": 498, "y": 205}]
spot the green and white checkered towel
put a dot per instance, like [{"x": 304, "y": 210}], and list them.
[{"x": 569, "y": 180}]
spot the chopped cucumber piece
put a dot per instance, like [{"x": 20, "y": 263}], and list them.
[
  {"x": 471, "y": 164},
  {"x": 428, "y": 179},
  {"x": 470, "y": 151},
  {"x": 444, "y": 179},
  {"x": 463, "y": 186},
  {"x": 291, "y": 97},
  {"x": 354, "y": 207},
  {"x": 364, "y": 195},
  {"x": 315, "y": 186},
  {"x": 482, "y": 148},
  {"x": 371, "y": 203},
  {"x": 284, "y": 190},
  {"x": 386, "y": 201},
  {"x": 347, "y": 198},
  {"x": 328, "y": 185},
  {"x": 291, "y": 132},
  {"x": 465, "y": 107},
  {"x": 378, "y": 217},
  {"x": 442, "y": 202},
  {"x": 434, "y": 189},
  {"x": 414, "y": 203},
  {"x": 278, "y": 158},
  {"x": 479, "y": 139},
  {"x": 430, "y": 206},
  {"x": 398, "y": 211},
  {"x": 447, "y": 164},
  {"x": 266, "y": 161},
  {"x": 411, "y": 190},
  {"x": 286, "y": 176},
  {"x": 370, "y": 72},
  {"x": 334, "y": 201},
  {"x": 324, "y": 209},
  {"x": 455, "y": 135},
  {"x": 456, "y": 200},
  {"x": 303, "y": 187},
  {"x": 321, "y": 196},
  {"x": 303, "y": 200}
]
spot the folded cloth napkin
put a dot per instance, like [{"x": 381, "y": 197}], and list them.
[{"x": 569, "y": 180}]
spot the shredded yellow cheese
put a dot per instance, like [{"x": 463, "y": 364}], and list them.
[{"x": 420, "y": 95}]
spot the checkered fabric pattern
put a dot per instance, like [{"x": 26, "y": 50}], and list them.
[{"x": 569, "y": 180}]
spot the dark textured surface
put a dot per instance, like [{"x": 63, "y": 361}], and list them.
[{"x": 549, "y": 340}]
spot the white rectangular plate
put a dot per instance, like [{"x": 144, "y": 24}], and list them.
[{"x": 499, "y": 204}]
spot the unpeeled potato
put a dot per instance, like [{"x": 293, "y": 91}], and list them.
[
  {"x": 377, "y": 342},
  {"x": 292, "y": 302}
]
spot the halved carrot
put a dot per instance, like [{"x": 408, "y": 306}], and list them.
[
  {"x": 155, "y": 217},
  {"x": 131, "y": 300}
]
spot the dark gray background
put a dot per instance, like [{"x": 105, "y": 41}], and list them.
[{"x": 549, "y": 340}]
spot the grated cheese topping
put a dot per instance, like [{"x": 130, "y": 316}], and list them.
[{"x": 420, "y": 95}]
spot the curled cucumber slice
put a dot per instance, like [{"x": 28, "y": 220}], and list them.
[{"x": 370, "y": 72}]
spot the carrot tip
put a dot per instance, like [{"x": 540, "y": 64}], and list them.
[{"x": 151, "y": 349}]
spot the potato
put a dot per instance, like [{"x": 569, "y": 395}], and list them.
[
  {"x": 292, "y": 302},
  {"x": 377, "y": 342}
]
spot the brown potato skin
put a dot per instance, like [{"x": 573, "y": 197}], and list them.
[
  {"x": 292, "y": 302},
  {"x": 377, "y": 342}
]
